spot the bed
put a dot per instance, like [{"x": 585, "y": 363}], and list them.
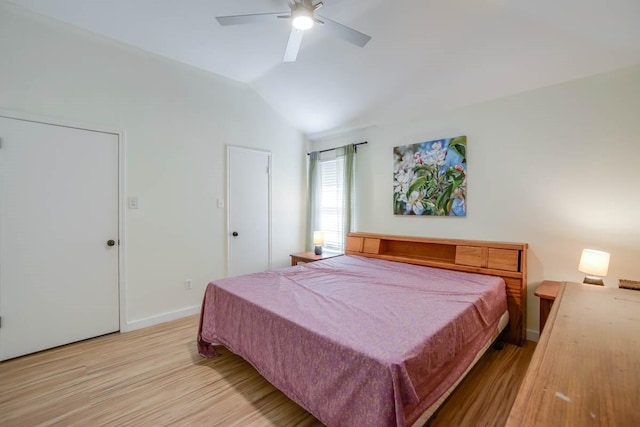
[{"x": 377, "y": 337}]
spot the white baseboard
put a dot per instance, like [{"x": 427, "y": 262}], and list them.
[
  {"x": 533, "y": 335},
  {"x": 160, "y": 318}
]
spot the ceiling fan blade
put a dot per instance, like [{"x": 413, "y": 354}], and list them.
[
  {"x": 248, "y": 19},
  {"x": 293, "y": 45},
  {"x": 345, "y": 33}
]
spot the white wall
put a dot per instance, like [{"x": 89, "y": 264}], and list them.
[
  {"x": 557, "y": 168},
  {"x": 177, "y": 121}
]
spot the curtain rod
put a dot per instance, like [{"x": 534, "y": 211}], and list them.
[{"x": 335, "y": 148}]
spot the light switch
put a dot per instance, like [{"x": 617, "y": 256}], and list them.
[
  {"x": 220, "y": 203},
  {"x": 133, "y": 202}
]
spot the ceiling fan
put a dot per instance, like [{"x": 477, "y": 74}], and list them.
[{"x": 303, "y": 17}]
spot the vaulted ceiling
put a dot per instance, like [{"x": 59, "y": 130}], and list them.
[{"x": 425, "y": 55}]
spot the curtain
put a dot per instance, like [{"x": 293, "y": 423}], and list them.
[{"x": 347, "y": 153}]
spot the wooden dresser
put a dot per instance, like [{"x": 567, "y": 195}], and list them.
[{"x": 586, "y": 367}]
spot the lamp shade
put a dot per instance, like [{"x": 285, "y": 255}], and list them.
[
  {"x": 318, "y": 238},
  {"x": 595, "y": 263}
]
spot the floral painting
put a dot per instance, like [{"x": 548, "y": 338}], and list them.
[{"x": 430, "y": 178}]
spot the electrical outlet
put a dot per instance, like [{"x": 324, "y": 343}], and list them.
[{"x": 188, "y": 284}]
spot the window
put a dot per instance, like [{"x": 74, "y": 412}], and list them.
[
  {"x": 333, "y": 201},
  {"x": 331, "y": 205}
]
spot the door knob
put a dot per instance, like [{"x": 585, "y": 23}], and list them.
[
  {"x": 111, "y": 242},
  {"x": 234, "y": 234}
]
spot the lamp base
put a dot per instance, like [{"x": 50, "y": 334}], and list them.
[
  {"x": 318, "y": 250},
  {"x": 593, "y": 280}
]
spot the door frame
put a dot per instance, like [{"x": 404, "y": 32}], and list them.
[
  {"x": 227, "y": 198},
  {"x": 121, "y": 135}
]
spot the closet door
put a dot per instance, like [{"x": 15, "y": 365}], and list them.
[
  {"x": 249, "y": 210},
  {"x": 58, "y": 235}
]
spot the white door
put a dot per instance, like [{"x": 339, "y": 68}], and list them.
[
  {"x": 58, "y": 210},
  {"x": 249, "y": 210}
]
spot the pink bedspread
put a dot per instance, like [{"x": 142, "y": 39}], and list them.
[{"x": 355, "y": 341}]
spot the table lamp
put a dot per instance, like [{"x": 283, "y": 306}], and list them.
[
  {"x": 318, "y": 241},
  {"x": 595, "y": 264}
]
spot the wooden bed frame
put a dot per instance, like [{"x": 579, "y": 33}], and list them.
[{"x": 506, "y": 260}]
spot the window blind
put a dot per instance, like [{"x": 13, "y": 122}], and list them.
[{"x": 331, "y": 203}]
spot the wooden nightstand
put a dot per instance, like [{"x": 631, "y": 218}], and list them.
[
  {"x": 547, "y": 291},
  {"x": 310, "y": 256}
]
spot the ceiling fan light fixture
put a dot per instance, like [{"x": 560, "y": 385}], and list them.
[{"x": 302, "y": 19}]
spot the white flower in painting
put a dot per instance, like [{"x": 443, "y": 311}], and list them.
[
  {"x": 414, "y": 202},
  {"x": 402, "y": 180},
  {"x": 408, "y": 162},
  {"x": 397, "y": 185},
  {"x": 436, "y": 156}
]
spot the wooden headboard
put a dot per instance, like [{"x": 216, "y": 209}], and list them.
[{"x": 506, "y": 260}]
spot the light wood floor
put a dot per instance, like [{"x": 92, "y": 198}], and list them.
[{"x": 155, "y": 377}]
